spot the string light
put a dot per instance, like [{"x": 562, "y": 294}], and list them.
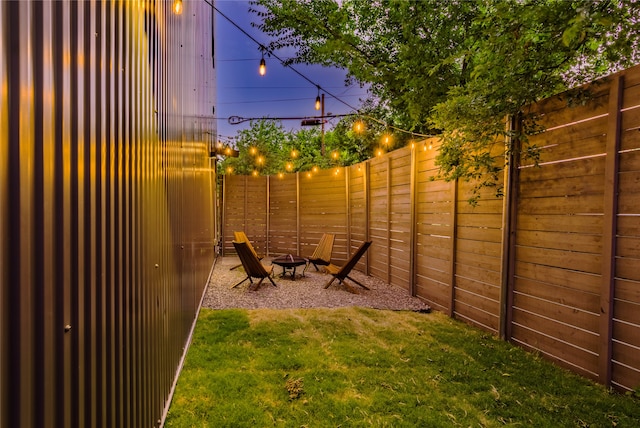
[
  {"x": 318, "y": 101},
  {"x": 263, "y": 65},
  {"x": 177, "y": 7}
]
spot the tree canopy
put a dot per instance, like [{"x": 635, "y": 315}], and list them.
[
  {"x": 458, "y": 67},
  {"x": 265, "y": 148}
]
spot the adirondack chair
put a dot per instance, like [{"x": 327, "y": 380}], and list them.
[
  {"x": 242, "y": 237},
  {"x": 252, "y": 266},
  {"x": 341, "y": 273},
  {"x": 322, "y": 254}
]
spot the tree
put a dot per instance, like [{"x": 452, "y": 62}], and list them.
[
  {"x": 459, "y": 67},
  {"x": 260, "y": 149}
]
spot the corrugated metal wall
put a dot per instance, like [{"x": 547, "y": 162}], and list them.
[
  {"x": 552, "y": 266},
  {"x": 106, "y": 206}
]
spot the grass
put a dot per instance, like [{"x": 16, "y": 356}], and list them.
[{"x": 355, "y": 367}]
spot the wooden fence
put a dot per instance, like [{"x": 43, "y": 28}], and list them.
[{"x": 552, "y": 266}]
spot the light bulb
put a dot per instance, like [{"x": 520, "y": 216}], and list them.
[
  {"x": 318, "y": 105},
  {"x": 263, "y": 67},
  {"x": 177, "y": 7}
]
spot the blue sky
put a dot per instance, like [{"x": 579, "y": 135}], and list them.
[{"x": 281, "y": 92}]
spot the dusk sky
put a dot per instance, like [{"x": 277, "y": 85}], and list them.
[{"x": 281, "y": 92}]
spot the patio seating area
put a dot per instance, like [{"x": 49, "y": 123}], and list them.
[{"x": 307, "y": 292}]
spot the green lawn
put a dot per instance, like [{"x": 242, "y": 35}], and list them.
[{"x": 355, "y": 367}]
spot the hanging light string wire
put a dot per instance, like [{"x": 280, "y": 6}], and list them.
[{"x": 271, "y": 53}]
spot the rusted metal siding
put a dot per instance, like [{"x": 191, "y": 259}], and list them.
[{"x": 106, "y": 206}]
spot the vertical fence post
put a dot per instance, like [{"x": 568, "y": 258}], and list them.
[
  {"x": 413, "y": 235},
  {"x": 388, "y": 220},
  {"x": 609, "y": 232},
  {"x": 367, "y": 208},
  {"x": 453, "y": 231},
  {"x": 347, "y": 187},
  {"x": 298, "y": 209},
  {"x": 509, "y": 217},
  {"x": 268, "y": 215},
  {"x": 223, "y": 215}
]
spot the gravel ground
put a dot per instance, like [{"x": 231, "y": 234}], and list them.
[{"x": 303, "y": 292}]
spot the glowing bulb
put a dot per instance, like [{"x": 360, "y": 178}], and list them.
[
  {"x": 289, "y": 166},
  {"x": 253, "y": 150},
  {"x": 294, "y": 153},
  {"x": 318, "y": 105},
  {"x": 260, "y": 160},
  {"x": 177, "y": 7},
  {"x": 254, "y": 173},
  {"x": 308, "y": 174},
  {"x": 337, "y": 171},
  {"x": 229, "y": 170},
  {"x": 335, "y": 154},
  {"x": 280, "y": 175},
  {"x": 358, "y": 126},
  {"x": 263, "y": 67},
  {"x": 315, "y": 169}
]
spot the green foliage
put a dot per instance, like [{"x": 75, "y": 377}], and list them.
[
  {"x": 459, "y": 67},
  {"x": 265, "y": 148},
  {"x": 367, "y": 367},
  {"x": 260, "y": 149}
]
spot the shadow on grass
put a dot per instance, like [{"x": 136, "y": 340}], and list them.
[{"x": 367, "y": 367}]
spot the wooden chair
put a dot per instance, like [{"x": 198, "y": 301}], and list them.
[
  {"x": 242, "y": 237},
  {"x": 322, "y": 254},
  {"x": 252, "y": 266},
  {"x": 340, "y": 273}
]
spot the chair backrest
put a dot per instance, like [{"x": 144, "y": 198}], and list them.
[
  {"x": 242, "y": 237},
  {"x": 324, "y": 248},
  {"x": 353, "y": 260},
  {"x": 249, "y": 261}
]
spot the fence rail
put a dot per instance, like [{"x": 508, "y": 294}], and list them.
[{"x": 550, "y": 266}]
